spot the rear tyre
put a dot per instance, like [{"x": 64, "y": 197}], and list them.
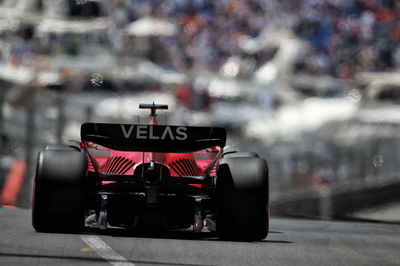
[
  {"x": 60, "y": 147},
  {"x": 241, "y": 154},
  {"x": 242, "y": 199},
  {"x": 59, "y": 191}
]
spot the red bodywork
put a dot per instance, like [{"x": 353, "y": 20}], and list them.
[
  {"x": 151, "y": 175},
  {"x": 125, "y": 162},
  {"x": 179, "y": 164}
]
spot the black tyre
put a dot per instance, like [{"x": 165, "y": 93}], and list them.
[
  {"x": 242, "y": 199},
  {"x": 241, "y": 154},
  {"x": 59, "y": 191},
  {"x": 59, "y": 147}
]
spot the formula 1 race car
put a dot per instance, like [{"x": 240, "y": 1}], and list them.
[{"x": 152, "y": 177}]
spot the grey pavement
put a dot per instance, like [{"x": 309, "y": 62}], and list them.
[{"x": 290, "y": 242}]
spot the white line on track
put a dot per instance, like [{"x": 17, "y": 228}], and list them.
[{"x": 105, "y": 251}]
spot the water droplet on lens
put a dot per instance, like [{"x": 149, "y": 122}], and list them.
[
  {"x": 81, "y": 2},
  {"x": 354, "y": 96},
  {"x": 97, "y": 79},
  {"x": 378, "y": 161}
]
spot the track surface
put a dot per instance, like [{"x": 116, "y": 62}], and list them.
[{"x": 290, "y": 242}]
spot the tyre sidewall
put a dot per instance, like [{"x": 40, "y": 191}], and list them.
[
  {"x": 59, "y": 191},
  {"x": 242, "y": 198}
]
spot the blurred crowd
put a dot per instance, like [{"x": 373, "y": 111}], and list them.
[
  {"x": 343, "y": 36},
  {"x": 346, "y": 37},
  {"x": 208, "y": 31}
]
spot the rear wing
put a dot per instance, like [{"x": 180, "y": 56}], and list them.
[{"x": 153, "y": 138}]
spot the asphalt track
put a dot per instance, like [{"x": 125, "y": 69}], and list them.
[{"x": 290, "y": 242}]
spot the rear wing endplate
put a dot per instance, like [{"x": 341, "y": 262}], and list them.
[{"x": 153, "y": 138}]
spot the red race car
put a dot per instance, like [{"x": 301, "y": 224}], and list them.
[{"x": 151, "y": 177}]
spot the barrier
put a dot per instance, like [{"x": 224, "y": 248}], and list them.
[
  {"x": 336, "y": 201},
  {"x": 12, "y": 184}
]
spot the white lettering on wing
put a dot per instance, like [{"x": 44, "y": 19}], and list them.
[
  {"x": 127, "y": 133},
  {"x": 141, "y": 132},
  {"x": 151, "y": 134},
  {"x": 148, "y": 132},
  {"x": 167, "y": 131},
  {"x": 181, "y": 133}
]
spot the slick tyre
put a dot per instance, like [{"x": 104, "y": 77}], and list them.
[
  {"x": 242, "y": 199},
  {"x": 59, "y": 191},
  {"x": 59, "y": 147},
  {"x": 241, "y": 154}
]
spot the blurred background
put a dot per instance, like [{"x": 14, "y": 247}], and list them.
[{"x": 311, "y": 85}]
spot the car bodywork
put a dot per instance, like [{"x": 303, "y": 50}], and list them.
[{"x": 153, "y": 177}]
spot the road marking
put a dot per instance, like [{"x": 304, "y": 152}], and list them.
[
  {"x": 105, "y": 251},
  {"x": 87, "y": 250}
]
